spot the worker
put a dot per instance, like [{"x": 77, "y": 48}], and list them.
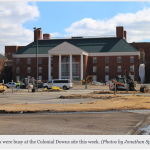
[{"x": 18, "y": 85}]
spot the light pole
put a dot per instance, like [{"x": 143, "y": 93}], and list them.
[{"x": 37, "y": 56}]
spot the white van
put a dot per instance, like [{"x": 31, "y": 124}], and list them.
[{"x": 61, "y": 83}]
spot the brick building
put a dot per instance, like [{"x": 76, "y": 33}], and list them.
[{"x": 75, "y": 58}]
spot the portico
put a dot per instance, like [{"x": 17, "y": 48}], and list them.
[{"x": 68, "y": 67}]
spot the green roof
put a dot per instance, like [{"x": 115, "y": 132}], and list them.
[
  {"x": 2, "y": 56},
  {"x": 90, "y": 45}
]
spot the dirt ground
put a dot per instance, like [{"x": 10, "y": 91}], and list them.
[{"x": 105, "y": 102}]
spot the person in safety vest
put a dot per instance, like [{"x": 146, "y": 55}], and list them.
[{"x": 18, "y": 86}]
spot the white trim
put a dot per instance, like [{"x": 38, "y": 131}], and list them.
[
  {"x": 28, "y": 55},
  {"x": 59, "y": 66},
  {"x": 49, "y": 68},
  {"x": 114, "y": 54},
  {"x": 70, "y": 67},
  {"x": 84, "y": 53},
  {"x": 66, "y": 48},
  {"x": 81, "y": 66}
]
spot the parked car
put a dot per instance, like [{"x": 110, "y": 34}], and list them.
[
  {"x": 61, "y": 83},
  {"x": 10, "y": 84}
]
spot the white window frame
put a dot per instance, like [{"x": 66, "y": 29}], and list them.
[
  {"x": 28, "y": 70},
  {"x": 132, "y": 77},
  {"x": 40, "y": 70},
  {"x": 39, "y": 61},
  {"x": 51, "y": 60},
  {"x": 106, "y": 78},
  {"x": 29, "y": 77},
  {"x": 94, "y": 68},
  {"x": 17, "y": 78},
  {"x": 118, "y": 59},
  {"x": 106, "y": 68},
  {"x": 94, "y": 60},
  {"x": 29, "y": 62},
  {"x": 132, "y": 68},
  {"x": 17, "y": 61},
  {"x": 119, "y": 76},
  {"x": 119, "y": 67},
  {"x": 40, "y": 78},
  {"x": 106, "y": 60},
  {"x": 17, "y": 69},
  {"x": 131, "y": 59}
]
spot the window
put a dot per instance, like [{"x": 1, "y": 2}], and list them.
[
  {"x": 67, "y": 59},
  {"x": 17, "y": 78},
  {"x": 28, "y": 61},
  {"x": 51, "y": 60},
  {"x": 95, "y": 78},
  {"x": 51, "y": 69},
  {"x": 40, "y": 69},
  {"x": 17, "y": 61},
  {"x": 29, "y": 77},
  {"x": 106, "y": 68},
  {"x": 40, "y": 61},
  {"x": 132, "y": 59},
  {"x": 18, "y": 70},
  {"x": 132, "y": 77},
  {"x": 131, "y": 68},
  {"x": 40, "y": 78},
  {"x": 119, "y": 59},
  {"x": 28, "y": 69},
  {"x": 106, "y": 78},
  {"x": 119, "y": 68},
  {"x": 94, "y": 60},
  {"x": 106, "y": 59},
  {"x": 61, "y": 81},
  {"x": 94, "y": 68},
  {"x": 119, "y": 76}
]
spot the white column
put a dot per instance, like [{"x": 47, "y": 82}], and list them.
[
  {"x": 59, "y": 66},
  {"x": 70, "y": 67},
  {"x": 49, "y": 68},
  {"x": 81, "y": 66}
]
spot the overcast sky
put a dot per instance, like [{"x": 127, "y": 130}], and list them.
[{"x": 17, "y": 20}]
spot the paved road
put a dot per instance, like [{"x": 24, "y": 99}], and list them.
[
  {"x": 110, "y": 123},
  {"x": 23, "y": 97}
]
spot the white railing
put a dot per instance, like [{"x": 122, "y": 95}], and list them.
[{"x": 80, "y": 37}]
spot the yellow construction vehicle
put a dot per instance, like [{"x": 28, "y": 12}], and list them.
[
  {"x": 87, "y": 80},
  {"x": 2, "y": 87}
]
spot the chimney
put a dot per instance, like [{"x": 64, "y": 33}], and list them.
[
  {"x": 37, "y": 34},
  {"x": 120, "y": 32},
  {"x": 125, "y": 35},
  {"x": 46, "y": 36}
]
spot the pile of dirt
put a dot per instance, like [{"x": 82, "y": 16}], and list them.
[
  {"x": 77, "y": 96},
  {"x": 112, "y": 92}
]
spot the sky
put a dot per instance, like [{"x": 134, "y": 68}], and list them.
[{"x": 68, "y": 18}]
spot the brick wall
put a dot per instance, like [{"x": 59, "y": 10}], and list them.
[
  {"x": 125, "y": 65},
  {"x": 9, "y": 50},
  {"x": 23, "y": 68},
  {"x": 87, "y": 67}
]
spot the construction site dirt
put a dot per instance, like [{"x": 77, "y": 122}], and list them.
[{"x": 74, "y": 100}]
